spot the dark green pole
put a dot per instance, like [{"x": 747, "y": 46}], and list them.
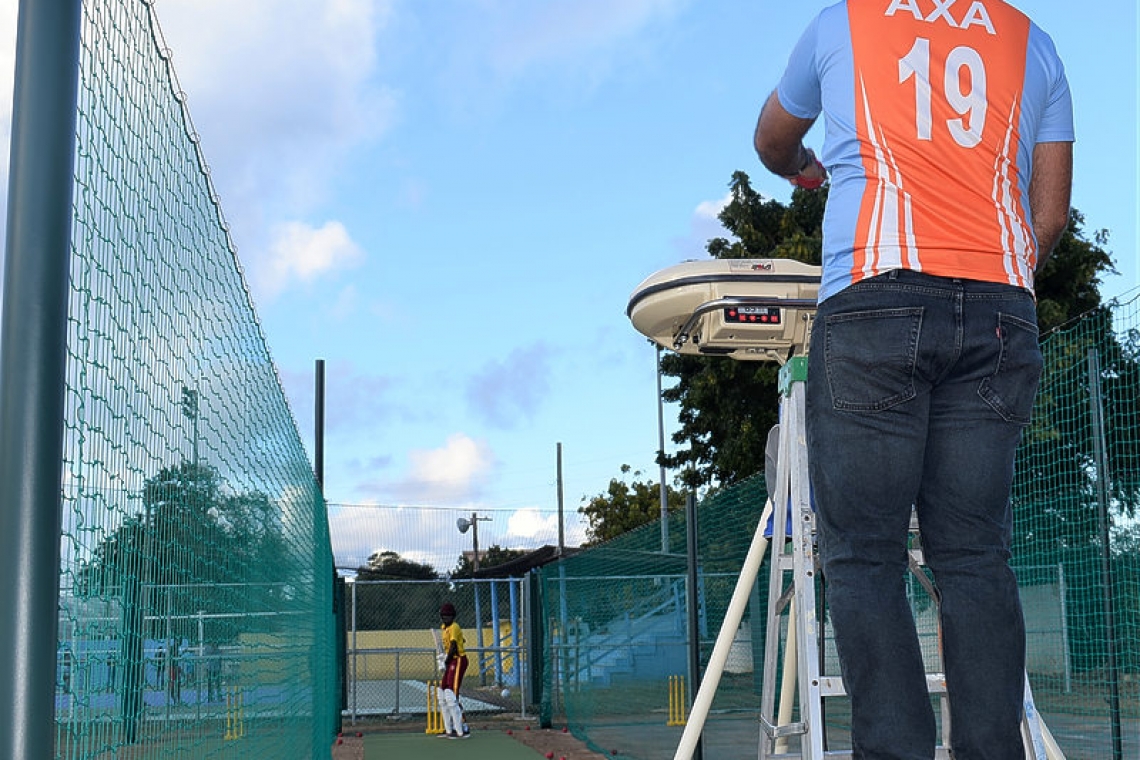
[
  {"x": 33, "y": 360},
  {"x": 319, "y": 424}
]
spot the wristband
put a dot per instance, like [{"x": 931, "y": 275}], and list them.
[{"x": 809, "y": 184}]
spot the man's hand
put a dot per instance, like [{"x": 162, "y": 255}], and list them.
[{"x": 812, "y": 176}]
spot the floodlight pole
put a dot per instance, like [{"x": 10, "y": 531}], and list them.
[
  {"x": 33, "y": 364},
  {"x": 474, "y": 523},
  {"x": 661, "y": 459},
  {"x": 475, "y": 541},
  {"x": 319, "y": 425},
  {"x": 191, "y": 398},
  {"x": 561, "y": 519}
]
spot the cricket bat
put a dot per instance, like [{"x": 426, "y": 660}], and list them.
[{"x": 438, "y": 636}]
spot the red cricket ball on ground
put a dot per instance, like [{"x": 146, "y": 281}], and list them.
[
  {"x": 510, "y": 732},
  {"x": 549, "y": 756},
  {"x": 564, "y": 729},
  {"x": 339, "y": 742},
  {"x": 359, "y": 734}
]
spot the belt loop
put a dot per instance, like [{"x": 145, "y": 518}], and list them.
[{"x": 893, "y": 274}]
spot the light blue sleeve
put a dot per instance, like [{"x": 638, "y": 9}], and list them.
[
  {"x": 799, "y": 90},
  {"x": 1056, "y": 123}
]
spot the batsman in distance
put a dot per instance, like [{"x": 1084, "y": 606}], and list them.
[{"x": 453, "y": 663}]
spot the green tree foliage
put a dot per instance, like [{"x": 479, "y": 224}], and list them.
[
  {"x": 496, "y": 555},
  {"x": 396, "y": 605},
  {"x": 726, "y": 408},
  {"x": 390, "y": 566},
  {"x": 195, "y": 547},
  {"x": 1068, "y": 285},
  {"x": 395, "y": 593},
  {"x": 625, "y": 506}
]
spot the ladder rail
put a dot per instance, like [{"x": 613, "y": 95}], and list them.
[{"x": 804, "y": 635}]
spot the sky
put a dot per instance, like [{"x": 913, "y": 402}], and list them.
[{"x": 450, "y": 203}]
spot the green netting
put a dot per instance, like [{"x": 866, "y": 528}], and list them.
[
  {"x": 615, "y": 615},
  {"x": 195, "y": 613}
]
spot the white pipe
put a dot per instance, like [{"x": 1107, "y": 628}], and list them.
[
  {"x": 1052, "y": 750},
  {"x": 732, "y": 617},
  {"x": 788, "y": 680}
]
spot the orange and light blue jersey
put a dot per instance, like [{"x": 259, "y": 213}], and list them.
[
  {"x": 454, "y": 633},
  {"x": 932, "y": 110}
]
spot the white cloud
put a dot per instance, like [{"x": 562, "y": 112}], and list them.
[
  {"x": 530, "y": 523},
  {"x": 429, "y": 534},
  {"x": 710, "y": 210},
  {"x": 350, "y": 534},
  {"x": 300, "y": 253},
  {"x": 451, "y": 474},
  {"x": 531, "y": 528},
  {"x": 703, "y": 226},
  {"x": 281, "y": 92}
]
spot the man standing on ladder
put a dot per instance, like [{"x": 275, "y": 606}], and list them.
[{"x": 949, "y": 143}]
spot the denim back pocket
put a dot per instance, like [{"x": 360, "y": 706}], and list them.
[
  {"x": 870, "y": 358},
  {"x": 1011, "y": 389}
]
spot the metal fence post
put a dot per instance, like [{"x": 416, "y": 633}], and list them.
[
  {"x": 1102, "y": 479},
  {"x": 33, "y": 363}
]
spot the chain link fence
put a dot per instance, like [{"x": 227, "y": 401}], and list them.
[
  {"x": 615, "y": 616},
  {"x": 196, "y": 570}
]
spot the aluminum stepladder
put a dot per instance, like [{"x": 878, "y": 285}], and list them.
[
  {"x": 794, "y": 604},
  {"x": 697, "y": 308},
  {"x": 794, "y": 610}
]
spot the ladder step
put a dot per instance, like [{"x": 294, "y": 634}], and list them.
[
  {"x": 832, "y": 686},
  {"x": 940, "y": 753}
]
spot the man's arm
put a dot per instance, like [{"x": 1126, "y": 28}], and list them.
[
  {"x": 1049, "y": 191},
  {"x": 779, "y": 142}
]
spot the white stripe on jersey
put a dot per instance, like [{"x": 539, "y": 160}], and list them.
[
  {"x": 885, "y": 222},
  {"x": 1015, "y": 240}
]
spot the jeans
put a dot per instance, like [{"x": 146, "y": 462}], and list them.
[{"x": 918, "y": 390}]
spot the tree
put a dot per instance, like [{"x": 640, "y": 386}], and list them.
[
  {"x": 727, "y": 407},
  {"x": 390, "y": 566},
  {"x": 1068, "y": 285},
  {"x": 194, "y": 547},
  {"x": 625, "y": 506},
  {"x": 496, "y": 555},
  {"x": 394, "y": 593}
]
